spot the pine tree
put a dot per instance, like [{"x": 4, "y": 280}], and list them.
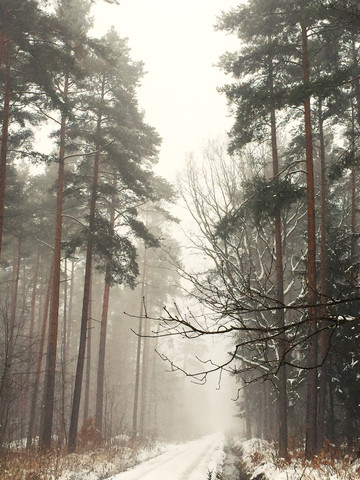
[
  {"x": 284, "y": 30},
  {"x": 264, "y": 55},
  {"x": 29, "y": 56},
  {"x": 122, "y": 142},
  {"x": 72, "y": 38}
]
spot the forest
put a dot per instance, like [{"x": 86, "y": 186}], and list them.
[{"x": 107, "y": 312}]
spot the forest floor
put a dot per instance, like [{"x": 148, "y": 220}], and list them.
[
  {"x": 88, "y": 463},
  {"x": 193, "y": 460},
  {"x": 200, "y": 459},
  {"x": 257, "y": 460},
  {"x": 208, "y": 458}
]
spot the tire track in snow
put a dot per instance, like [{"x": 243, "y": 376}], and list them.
[
  {"x": 141, "y": 471},
  {"x": 204, "y": 462},
  {"x": 191, "y": 461}
]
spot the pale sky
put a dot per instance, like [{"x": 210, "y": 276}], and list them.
[{"x": 179, "y": 46}]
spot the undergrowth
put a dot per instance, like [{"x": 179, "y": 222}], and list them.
[
  {"x": 332, "y": 463},
  {"x": 102, "y": 461},
  {"x": 234, "y": 466}
]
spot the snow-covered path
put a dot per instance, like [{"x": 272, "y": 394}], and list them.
[{"x": 190, "y": 461}]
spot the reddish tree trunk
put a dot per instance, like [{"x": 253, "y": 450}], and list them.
[
  {"x": 88, "y": 361},
  {"x": 49, "y": 388},
  {"x": 101, "y": 360},
  {"x": 33, "y": 304},
  {"x": 15, "y": 285},
  {"x": 64, "y": 353},
  {"x": 282, "y": 384},
  {"x": 4, "y": 146},
  {"x": 3, "y": 15},
  {"x": 324, "y": 335},
  {"x": 31, "y": 330},
  {"x": 311, "y": 403},
  {"x": 2, "y": 46},
  {"x": 355, "y": 113},
  {"x": 64, "y": 345},
  {"x": 353, "y": 223},
  {"x": 38, "y": 365},
  {"x": 9, "y": 343},
  {"x": 71, "y": 297},
  {"x": 280, "y": 316},
  {"x": 102, "y": 348},
  {"x": 86, "y": 297},
  {"x": 357, "y": 81},
  {"x": 83, "y": 330},
  {"x": 353, "y": 251}
]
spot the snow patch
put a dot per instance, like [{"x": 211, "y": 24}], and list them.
[{"x": 262, "y": 461}]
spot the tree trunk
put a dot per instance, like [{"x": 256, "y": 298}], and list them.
[
  {"x": 33, "y": 305},
  {"x": 280, "y": 316},
  {"x": 144, "y": 381},
  {"x": 88, "y": 360},
  {"x": 29, "y": 366},
  {"x": 83, "y": 329},
  {"x": 64, "y": 351},
  {"x": 86, "y": 296},
  {"x": 353, "y": 224},
  {"x": 15, "y": 286},
  {"x": 9, "y": 343},
  {"x": 2, "y": 46},
  {"x": 247, "y": 413},
  {"x": 267, "y": 412},
  {"x": 101, "y": 359},
  {"x": 353, "y": 249},
  {"x": 311, "y": 402},
  {"x": 138, "y": 353},
  {"x": 70, "y": 309},
  {"x": 324, "y": 335},
  {"x": 49, "y": 387},
  {"x": 332, "y": 422},
  {"x": 4, "y": 145},
  {"x": 355, "y": 113},
  {"x": 154, "y": 409},
  {"x": 3, "y": 18},
  {"x": 38, "y": 365},
  {"x": 102, "y": 348},
  {"x": 356, "y": 80}
]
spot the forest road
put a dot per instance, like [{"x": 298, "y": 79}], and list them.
[{"x": 190, "y": 461}]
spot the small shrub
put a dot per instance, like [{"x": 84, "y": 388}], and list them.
[
  {"x": 256, "y": 458},
  {"x": 87, "y": 434}
]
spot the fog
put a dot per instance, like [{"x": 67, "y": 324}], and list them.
[
  {"x": 178, "y": 227},
  {"x": 180, "y": 49}
]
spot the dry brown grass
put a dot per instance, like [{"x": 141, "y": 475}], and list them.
[
  {"x": 102, "y": 460},
  {"x": 332, "y": 463}
]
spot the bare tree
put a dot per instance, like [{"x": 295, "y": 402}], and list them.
[{"x": 236, "y": 282}]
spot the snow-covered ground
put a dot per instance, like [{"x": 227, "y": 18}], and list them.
[
  {"x": 261, "y": 460},
  {"x": 101, "y": 464},
  {"x": 194, "y": 460},
  {"x": 208, "y": 458}
]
